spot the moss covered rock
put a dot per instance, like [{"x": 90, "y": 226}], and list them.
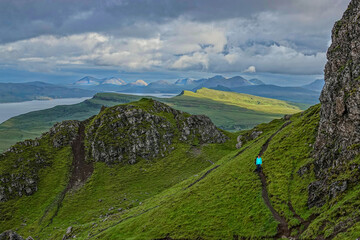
[{"x": 144, "y": 130}]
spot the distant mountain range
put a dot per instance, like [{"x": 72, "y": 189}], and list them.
[
  {"x": 217, "y": 80},
  {"x": 88, "y": 86},
  {"x": 91, "y": 81},
  {"x": 162, "y": 86},
  {"x": 292, "y": 94},
  {"x": 317, "y": 85},
  {"x": 303, "y": 94},
  {"x": 111, "y": 84},
  {"x": 19, "y": 92}
]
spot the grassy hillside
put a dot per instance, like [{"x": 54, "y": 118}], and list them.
[
  {"x": 251, "y": 102},
  {"x": 293, "y": 94},
  {"x": 113, "y": 188},
  {"x": 202, "y": 191},
  {"x": 230, "y": 114}
]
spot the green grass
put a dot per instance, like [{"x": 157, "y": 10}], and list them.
[
  {"x": 111, "y": 184},
  {"x": 260, "y": 104},
  {"x": 25, "y": 213},
  {"x": 227, "y": 202},
  {"x": 228, "y": 115},
  {"x": 156, "y": 201},
  {"x": 288, "y": 152}
]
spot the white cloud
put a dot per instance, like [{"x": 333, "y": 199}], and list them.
[
  {"x": 250, "y": 69},
  {"x": 225, "y": 46},
  {"x": 196, "y": 61}
]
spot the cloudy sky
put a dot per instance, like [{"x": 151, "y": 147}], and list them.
[{"x": 167, "y": 39}]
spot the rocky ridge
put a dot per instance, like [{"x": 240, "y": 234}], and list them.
[{"x": 145, "y": 130}]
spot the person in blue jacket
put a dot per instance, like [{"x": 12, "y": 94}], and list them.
[{"x": 258, "y": 163}]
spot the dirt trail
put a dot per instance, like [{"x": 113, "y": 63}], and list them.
[
  {"x": 203, "y": 176},
  {"x": 283, "y": 228},
  {"x": 80, "y": 170},
  {"x": 266, "y": 144}
]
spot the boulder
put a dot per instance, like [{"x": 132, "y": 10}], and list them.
[{"x": 10, "y": 235}]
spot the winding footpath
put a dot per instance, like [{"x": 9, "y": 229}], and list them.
[{"x": 283, "y": 228}]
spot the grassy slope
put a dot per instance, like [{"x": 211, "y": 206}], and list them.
[
  {"x": 26, "y": 212},
  {"x": 225, "y": 114},
  {"x": 118, "y": 186},
  {"x": 228, "y": 201},
  {"x": 247, "y": 101},
  {"x": 225, "y": 203}
]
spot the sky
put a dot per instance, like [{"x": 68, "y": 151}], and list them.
[{"x": 278, "y": 41}]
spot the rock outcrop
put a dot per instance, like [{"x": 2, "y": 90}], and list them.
[
  {"x": 250, "y": 135},
  {"x": 10, "y": 235},
  {"x": 146, "y": 130},
  {"x": 338, "y": 139},
  {"x": 27, "y": 158},
  {"x": 64, "y": 133}
]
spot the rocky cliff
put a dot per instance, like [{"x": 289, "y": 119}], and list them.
[{"x": 338, "y": 139}]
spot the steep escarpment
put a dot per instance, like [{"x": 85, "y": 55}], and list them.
[{"x": 338, "y": 140}]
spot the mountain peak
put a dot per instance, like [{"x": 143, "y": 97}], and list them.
[
  {"x": 316, "y": 85},
  {"x": 217, "y": 77},
  {"x": 87, "y": 80},
  {"x": 161, "y": 82},
  {"x": 185, "y": 81},
  {"x": 139, "y": 83},
  {"x": 113, "y": 81},
  {"x": 256, "y": 81}
]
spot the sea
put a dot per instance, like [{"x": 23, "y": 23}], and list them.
[{"x": 9, "y": 110}]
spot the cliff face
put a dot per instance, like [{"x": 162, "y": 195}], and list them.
[{"x": 338, "y": 139}]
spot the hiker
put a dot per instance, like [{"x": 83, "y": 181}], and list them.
[{"x": 258, "y": 163}]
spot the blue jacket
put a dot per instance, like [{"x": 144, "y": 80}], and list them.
[{"x": 258, "y": 161}]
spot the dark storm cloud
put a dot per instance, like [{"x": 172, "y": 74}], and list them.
[
  {"x": 22, "y": 19},
  {"x": 281, "y": 36}
]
